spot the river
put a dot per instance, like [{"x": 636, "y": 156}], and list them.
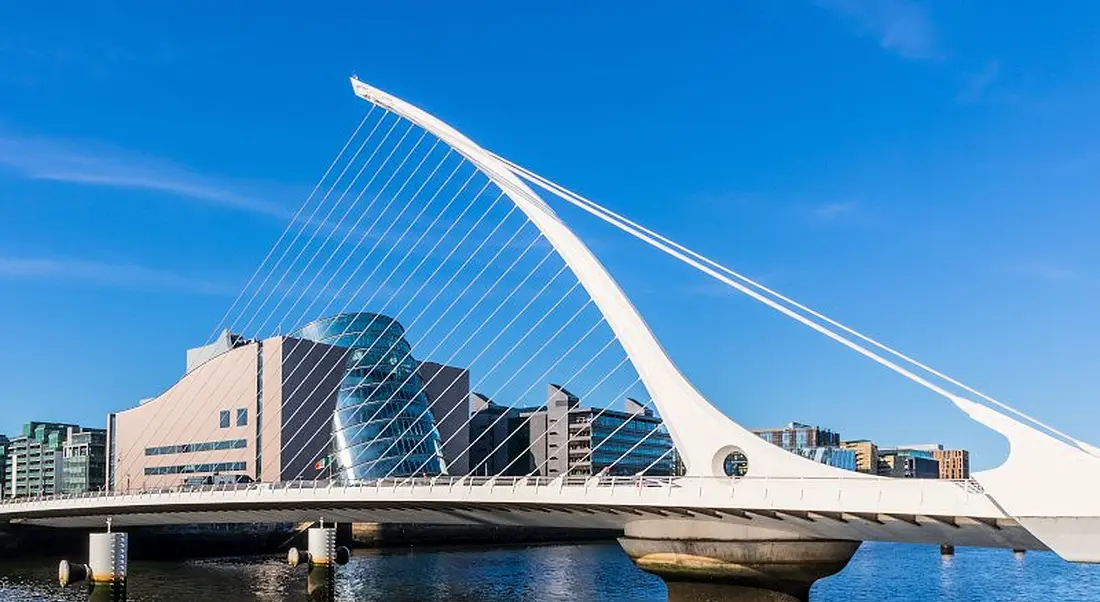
[{"x": 576, "y": 573}]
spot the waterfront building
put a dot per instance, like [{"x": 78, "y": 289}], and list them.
[
  {"x": 908, "y": 463},
  {"x": 84, "y": 461},
  {"x": 499, "y": 438},
  {"x": 226, "y": 341},
  {"x": 35, "y": 461},
  {"x": 795, "y": 435},
  {"x": 382, "y": 423},
  {"x": 838, "y": 457},
  {"x": 448, "y": 391},
  {"x": 866, "y": 455},
  {"x": 305, "y": 406},
  {"x": 954, "y": 463},
  {"x": 567, "y": 439},
  {"x": 251, "y": 412}
]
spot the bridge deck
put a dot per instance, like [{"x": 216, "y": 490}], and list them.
[{"x": 912, "y": 510}]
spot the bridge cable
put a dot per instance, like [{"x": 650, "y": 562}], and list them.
[
  {"x": 366, "y": 234},
  {"x": 552, "y": 338},
  {"x": 550, "y": 426},
  {"x": 442, "y": 289},
  {"x": 154, "y": 420},
  {"x": 423, "y": 285},
  {"x": 320, "y": 227},
  {"x": 289, "y": 224},
  {"x": 355, "y": 296},
  {"x": 679, "y": 251}
]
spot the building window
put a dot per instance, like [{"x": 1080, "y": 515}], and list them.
[
  {"x": 187, "y": 448},
  {"x": 242, "y": 416},
  {"x": 195, "y": 468},
  {"x": 223, "y": 419}
]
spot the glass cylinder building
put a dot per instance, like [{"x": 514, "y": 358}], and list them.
[{"x": 382, "y": 426}]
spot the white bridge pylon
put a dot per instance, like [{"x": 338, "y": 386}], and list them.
[
  {"x": 1049, "y": 483},
  {"x": 703, "y": 435}
]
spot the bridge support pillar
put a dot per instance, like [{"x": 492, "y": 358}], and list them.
[
  {"x": 321, "y": 557},
  {"x": 106, "y": 567},
  {"x": 702, "y": 561}
]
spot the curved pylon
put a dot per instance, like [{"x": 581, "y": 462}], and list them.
[{"x": 703, "y": 436}]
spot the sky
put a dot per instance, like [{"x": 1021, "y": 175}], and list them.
[{"x": 926, "y": 172}]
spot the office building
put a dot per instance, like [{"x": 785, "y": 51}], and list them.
[
  {"x": 251, "y": 412},
  {"x": 838, "y": 457},
  {"x": 866, "y": 455},
  {"x": 499, "y": 438},
  {"x": 908, "y": 463},
  {"x": 448, "y": 391},
  {"x": 954, "y": 463},
  {"x": 796, "y": 435},
  {"x": 567, "y": 439},
  {"x": 226, "y": 341},
  {"x": 35, "y": 462},
  {"x": 736, "y": 464},
  {"x": 339, "y": 398},
  {"x": 84, "y": 461}
]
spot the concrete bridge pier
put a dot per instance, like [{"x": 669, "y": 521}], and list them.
[
  {"x": 705, "y": 561},
  {"x": 105, "y": 571},
  {"x": 321, "y": 557}
]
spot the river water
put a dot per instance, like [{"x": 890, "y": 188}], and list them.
[{"x": 574, "y": 573}]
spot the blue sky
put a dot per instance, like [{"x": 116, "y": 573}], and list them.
[{"x": 924, "y": 171}]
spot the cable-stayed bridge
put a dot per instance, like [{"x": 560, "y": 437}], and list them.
[{"x": 419, "y": 244}]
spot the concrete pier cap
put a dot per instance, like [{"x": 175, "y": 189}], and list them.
[{"x": 702, "y": 560}]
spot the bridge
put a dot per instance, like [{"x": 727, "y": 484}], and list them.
[{"x": 1044, "y": 497}]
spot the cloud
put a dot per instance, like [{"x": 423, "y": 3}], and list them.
[
  {"x": 975, "y": 89},
  {"x": 97, "y": 165},
  {"x": 109, "y": 274},
  {"x": 900, "y": 26}
]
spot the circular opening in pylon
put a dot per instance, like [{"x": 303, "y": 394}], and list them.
[{"x": 731, "y": 461}]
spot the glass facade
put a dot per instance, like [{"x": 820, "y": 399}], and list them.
[
  {"x": 640, "y": 443},
  {"x": 799, "y": 436},
  {"x": 618, "y": 444},
  {"x": 382, "y": 425},
  {"x": 832, "y": 456},
  {"x": 84, "y": 467}
]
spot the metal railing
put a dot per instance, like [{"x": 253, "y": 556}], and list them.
[{"x": 968, "y": 486}]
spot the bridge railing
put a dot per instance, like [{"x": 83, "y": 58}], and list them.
[{"x": 451, "y": 483}]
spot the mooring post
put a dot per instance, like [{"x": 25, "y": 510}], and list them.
[
  {"x": 108, "y": 555},
  {"x": 321, "y": 556}
]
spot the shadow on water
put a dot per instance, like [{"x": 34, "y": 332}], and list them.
[{"x": 575, "y": 573}]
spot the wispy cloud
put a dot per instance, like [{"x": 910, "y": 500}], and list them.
[
  {"x": 98, "y": 165},
  {"x": 977, "y": 86},
  {"x": 900, "y": 26},
  {"x": 108, "y": 274}
]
